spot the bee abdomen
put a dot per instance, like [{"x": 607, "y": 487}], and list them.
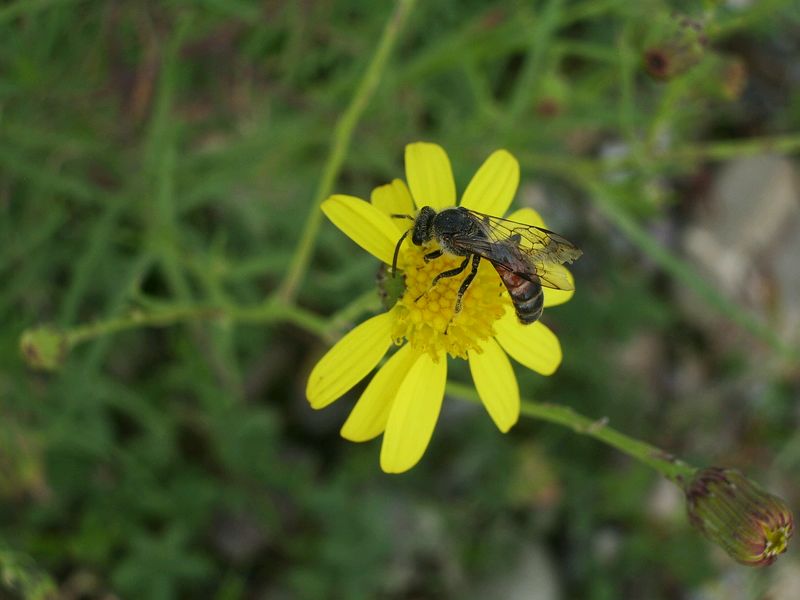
[
  {"x": 526, "y": 296},
  {"x": 528, "y": 302}
]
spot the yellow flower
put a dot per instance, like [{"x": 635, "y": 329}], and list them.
[{"x": 403, "y": 399}]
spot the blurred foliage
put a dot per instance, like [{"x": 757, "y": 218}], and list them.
[{"x": 159, "y": 154}]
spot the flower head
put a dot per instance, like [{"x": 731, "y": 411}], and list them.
[
  {"x": 750, "y": 524},
  {"x": 680, "y": 45},
  {"x": 403, "y": 399},
  {"x": 44, "y": 348}
]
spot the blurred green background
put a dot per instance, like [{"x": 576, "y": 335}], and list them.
[{"x": 161, "y": 155}]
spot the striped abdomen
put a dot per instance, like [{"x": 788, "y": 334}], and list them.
[{"x": 526, "y": 294}]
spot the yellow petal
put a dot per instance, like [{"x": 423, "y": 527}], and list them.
[
  {"x": 493, "y": 187},
  {"x": 367, "y": 226},
  {"x": 414, "y": 414},
  {"x": 496, "y": 384},
  {"x": 551, "y": 297},
  {"x": 429, "y": 175},
  {"x": 349, "y": 361},
  {"x": 533, "y": 346},
  {"x": 528, "y": 216},
  {"x": 394, "y": 199},
  {"x": 369, "y": 415}
]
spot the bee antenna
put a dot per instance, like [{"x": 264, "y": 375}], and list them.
[
  {"x": 397, "y": 252},
  {"x": 397, "y": 216}
]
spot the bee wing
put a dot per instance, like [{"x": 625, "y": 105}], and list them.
[
  {"x": 555, "y": 276},
  {"x": 550, "y": 275},
  {"x": 520, "y": 248},
  {"x": 541, "y": 245},
  {"x": 508, "y": 255}
]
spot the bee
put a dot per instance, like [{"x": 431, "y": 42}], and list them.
[{"x": 525, "y": 256}]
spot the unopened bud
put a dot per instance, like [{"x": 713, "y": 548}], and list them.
[
  {"x": 554, "y": 96},
  {"x": 750, "y": 524},
  {"x": 44, "y": 348},
  {"x": 719, "y": 78},
  {"x": 733, "y": 78},
  {"x": 391, "y": 286},
  {"x": 680, "y": 44}
]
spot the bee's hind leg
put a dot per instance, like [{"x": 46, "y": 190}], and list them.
[
  {"x": 476, "y": 261},
  {"x": 451, "y": 273}
]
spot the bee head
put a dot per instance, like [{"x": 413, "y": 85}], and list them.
[{"x": 423, "y": 226}]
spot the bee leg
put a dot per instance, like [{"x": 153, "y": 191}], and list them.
[
  {"x": 476, "y": 261},
  {"x": 451, "y": 273},
  {"x": 432, "y": 255}
]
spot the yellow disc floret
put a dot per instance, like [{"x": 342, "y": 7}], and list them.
[{"x": 425, "y": 315}]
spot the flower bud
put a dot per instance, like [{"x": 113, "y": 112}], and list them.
[
  {"x": 750, "y": 524},
  {"x": 391, "y": 286},
  {"x": 44, "y": 348},
  {"x": 734, "y": 79},
  {"x": 720, "y": 78},
  {"x": 680, "y": 44},
  {"x": 553, "y": 97}
]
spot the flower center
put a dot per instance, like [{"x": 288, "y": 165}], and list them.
[{"x": 426, "y": 316}]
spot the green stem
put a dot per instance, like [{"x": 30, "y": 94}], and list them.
[
  {"x": 543, "y": 27},
  {"x": 587, "y": 174},
  {"x": 136, "y": 319},
  {"x": 686, "y": 156},
  {"x": 759, "y": 10},
  {"x": 366, "y": 302},
  {"x": 682, "y": 271},
  {"x": 25, "y": 8},
  {"x": 276, "y": 311},
  {"x": 272, "y": 311},
  {"x": 652, "y": 456},
  {"x": 343, "y": 133},
  {"x": 728, "y": 149},
  {"x": 628, "y": 63}
]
